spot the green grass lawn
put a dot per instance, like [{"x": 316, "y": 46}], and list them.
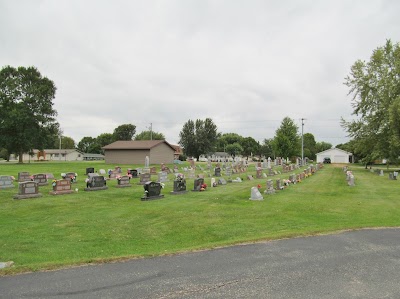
[{"x": 84, "y": 227}]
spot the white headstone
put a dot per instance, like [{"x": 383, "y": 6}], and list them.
[
  {"x": 212, "y": 182},
  {"x": 255, "y": 194}
]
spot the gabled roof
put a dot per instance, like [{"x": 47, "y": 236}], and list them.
[
  {"x": 337, "y": 149},
  {"x": 135, "y": 145}
]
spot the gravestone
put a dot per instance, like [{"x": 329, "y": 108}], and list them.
[
  {"x": 279, "y": 184},
  {"x": 24, "y": 176},
  {"x": 259, "y": 173},
  {"x": 264, "y": 175},
  {"x": 213, "y": 183},
  {"x": 90, "y": 175},
  {"x": 89, "y": 170},
  {"x": 102, "y": 171},
  {"x": 113, "y": 174},
  {"x": 228, "y": 171},
  {"x": 350, "y": 180},
  {"x": 50, "y": 176},
  {"x": 197, "y": 184},
  {"x": 152, "y": 190},
  {"x": 153, "y": 170},
  {"x": 237, "y": 180},
  {"x": 298, "y": 179},
  {"x": 162, "y": 177},
  {"x": 123, "y": 182},
  {"x": 270, "y": 187},
  {"x": 391, "y": 176},
  {"x": 191, "y": 174},
  {"x": 179, "y": 185},
  {"x": 72, "y": 176},
  {"x": 176, "y": 170},
  {"x": 27, "y": 190},
  {"x": 96, "y": 183},
  {"x": 255, "y": 194},
  {"x": 6, "y": 181},
  {"x": 61, "y": 187},
  {"x": 221, "y": 181},
  {"x": 133, "y": 173},
  {"x": 217, "y": 171},
  {"x": 147, "y": 162},
  {"x": 264, "y": 164},
  {"x": 41, "y": 179},
  {"x": 118, "y": 169},
  {"x": 144, "y": 178},
  {"x": 270, "y": 171},
  {"x": 250, "y": 177}
]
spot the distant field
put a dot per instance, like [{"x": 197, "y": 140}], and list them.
[{"x": 86, "y": 227}]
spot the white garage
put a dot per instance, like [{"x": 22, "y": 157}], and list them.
[{"x": 336, "y": 155}]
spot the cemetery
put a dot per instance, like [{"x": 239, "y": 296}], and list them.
[{"x": 275, "y": 202}]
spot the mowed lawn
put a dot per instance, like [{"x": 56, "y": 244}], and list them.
[{"x": 86, "y": 227}]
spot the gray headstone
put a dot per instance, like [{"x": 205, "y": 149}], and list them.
[{"x": 6, "y": 181}]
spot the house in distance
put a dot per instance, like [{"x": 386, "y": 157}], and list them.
[{"x": 135, "y": 152}]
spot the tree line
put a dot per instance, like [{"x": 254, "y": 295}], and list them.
[{"x": 202, "y": 137}]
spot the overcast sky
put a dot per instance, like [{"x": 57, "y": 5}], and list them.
[{"x": 245, "y": 64}]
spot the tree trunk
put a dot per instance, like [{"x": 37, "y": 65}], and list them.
[{"x": 20, "y": 157}]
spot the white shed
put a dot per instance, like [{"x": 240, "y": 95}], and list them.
[{"x": 336, "y": 155}]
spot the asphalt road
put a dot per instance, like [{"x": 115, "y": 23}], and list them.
[{"x": 357, "y": 264}]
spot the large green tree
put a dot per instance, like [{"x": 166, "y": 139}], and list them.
[
  {"x": 225, "y": 139},
  {"x": 287, "y": 141},
  {"x": 250, "y": 146},
  {"x": 310, "y": 148},
  {"x": 150, "y": 135},
  {"x": 375, "y": 90},
  {"x": 87, "y": 145},
  {"x": 267, "y": 148},
  {"x": 234, "y": 149},
  {"x": 27, "y": 116},
  {"x": 198, "y": 137},
  {"x": 322, "y": 146},
  {"x": 124, "y": 132}
]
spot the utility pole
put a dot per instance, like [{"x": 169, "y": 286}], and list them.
[
  {"x": 151, "y": 131},
  {"x": 60, "y": 134},
  {"x": 302, "y": 141}
]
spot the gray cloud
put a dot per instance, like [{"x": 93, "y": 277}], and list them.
[{"x": 245, "y": 64}]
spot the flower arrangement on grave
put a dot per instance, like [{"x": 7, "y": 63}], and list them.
[
  {"x": 54, "y": 183},
  {"x": 203, "y": 187},
  {"x": 180, "y": 178},
  {"x": 215, "y": 184},
  {"x": 258, "y": 186},
  {"x": 286, "y": 182}
]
